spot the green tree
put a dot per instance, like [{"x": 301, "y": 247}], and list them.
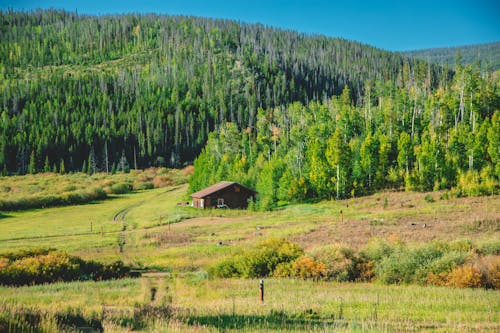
[
  {"x": 368, "y": 156},
  {"x": 62, "y": 168},
  {"x": 268, "y": 182},
  {"x": 405, "y": 152},
  {"x": 320, "y": 173},
  {"x": 338, "y": 155},
  {"x": 32, "y": 165},
  {"x": 46, "y": 165}
]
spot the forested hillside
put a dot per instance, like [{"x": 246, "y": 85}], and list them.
[
  {"x": 89, "y": 92},
  {"x": 487, "y": 56},
  {"x": 399, "y": 137}
]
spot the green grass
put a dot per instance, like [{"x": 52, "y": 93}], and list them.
[
  {"x": 290, "y": 305},
  {"x": 159, "y": 233},
  {"x": 50, "y": 189},
  {"x": 183, "y": 241}
]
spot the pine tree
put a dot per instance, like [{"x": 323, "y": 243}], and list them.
[
  {"x": 46, "y": 166},
  {"x": 62, "y": 169},
  {"x": 84, "y": 166},
  {"x": 32, "y": 165}
]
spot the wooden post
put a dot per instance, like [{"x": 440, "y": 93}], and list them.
[
  {"x": 90, "y": 226},
  {"x": 261, "y": 289},
  {"x": 341, "y": 217}
]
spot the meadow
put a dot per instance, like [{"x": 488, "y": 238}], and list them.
[{"x": 175, "y": 246}]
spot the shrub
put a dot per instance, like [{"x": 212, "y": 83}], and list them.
[
  {"x": 438, "y": 271},
  {"x": 47, "y": 266},
  {"x": 145, "y": 185},
  {"x": 226, "y": 269},
  {"x": 120, "y": 188},
  {"x": 408, "y": 265},
  {"x": 466, "y": 276},
  {"x": 260, "y": 261},
  {"x": 50, "y": 200},
  {"x": 377, "y": 249},
  {"x": 308, "y": 268},
  {"x": 161, "y": 181},
  {"x": 429, "y": 198},
  {"x": 479, "y": 272},
  {"x": 285, "y": 269},
  {"x": 365, "y": 269},
  {"x": 490, "y": 269},
  {"x": 339, "y": 260},
  {"x": 489, "y": 247}
]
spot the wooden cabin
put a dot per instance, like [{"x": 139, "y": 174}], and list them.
[{"x": 223, "y": 195}]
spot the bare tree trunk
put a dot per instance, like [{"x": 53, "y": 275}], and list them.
[
  {"x": 462, "y": 106},
  {"x": 106, "y": 156},
  {"x": 338, "y": 180},
  {"x": 135, "y": 159}
]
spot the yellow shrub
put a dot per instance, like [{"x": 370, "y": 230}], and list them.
[
  {"x": 439, "y": 279},
  {"x": 308, "y": 268},
  {"x": 466, "y": 276}
]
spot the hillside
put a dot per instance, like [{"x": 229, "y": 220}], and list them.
[
  {"x": 146, "y": 90},
  {"x": 488, "y": 55}
]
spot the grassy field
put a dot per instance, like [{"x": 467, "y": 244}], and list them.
[
  {"x": 155, "y": 238},
  {"x": 182, "y": 242},
  {"x": 198, "y": 304}
]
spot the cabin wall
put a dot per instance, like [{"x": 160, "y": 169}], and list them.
[
  {"x": 199, "y": 203},
  {"x": 234, "y": 197}
]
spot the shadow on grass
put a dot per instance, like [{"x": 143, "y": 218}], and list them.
[
  {"x": 274, "y": 321},
  {"x": 3, "y": 216}
]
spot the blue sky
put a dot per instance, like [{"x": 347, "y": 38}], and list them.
[{"x": 392, "y": 25}]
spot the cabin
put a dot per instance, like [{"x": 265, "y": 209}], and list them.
[{"x": 223, "y": 195}]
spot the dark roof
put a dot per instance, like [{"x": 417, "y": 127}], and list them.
[{"x": 216, "y": 188}]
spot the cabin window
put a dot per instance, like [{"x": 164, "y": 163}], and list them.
[{"x": 236, "y": 189}]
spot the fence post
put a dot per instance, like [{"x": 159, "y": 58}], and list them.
[{"x": 261, "y": 288}]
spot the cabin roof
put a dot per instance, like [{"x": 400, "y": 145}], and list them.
[{"x": 216, "y": 188}]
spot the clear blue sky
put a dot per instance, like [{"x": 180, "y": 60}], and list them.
[{"x": 392, "y": 25}]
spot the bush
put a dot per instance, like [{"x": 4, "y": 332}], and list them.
[
  {"x": 161, "y": 181},
  {"x": 480, "y": 272},
  {"x": 285, "y": 269},
  {"x": 408, "y": 265},
  {"x": 489, "y": 247},
  {"x": 466, "y": 276},
  {"x": 260, "y": 261},
  {"x": 377, "y": 249},
  {"x": 439, "y": 269},
  {"x": 120, "y": 188},
  {"x": 226, "y": 269},
  {"x": 50, "y": 200},
  {"x": 47, "y": 266},
  {"x": 490, "y": 269},
  {"x": 308, "y": 268},
  {"x": 339, "y": 260},
  {"x": 142, "y": 185},
  {"x": 429, "y": 198}
]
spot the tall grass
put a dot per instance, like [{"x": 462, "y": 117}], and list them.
[
  {"x": 193, "y": 303},
  {"x": 50, "y": 189}
]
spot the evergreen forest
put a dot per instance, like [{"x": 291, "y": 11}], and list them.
[
  {"x": 486, "y": 56},
  {"x": 292, "y": 115}
]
